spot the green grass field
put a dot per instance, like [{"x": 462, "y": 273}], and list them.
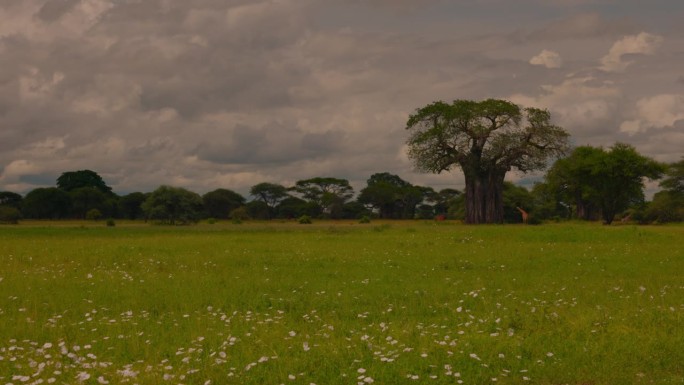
[{"x": 341, "y": 303}]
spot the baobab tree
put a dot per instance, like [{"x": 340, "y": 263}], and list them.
[{"x": 486, "y": 140}]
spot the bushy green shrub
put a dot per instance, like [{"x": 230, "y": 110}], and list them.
[
  {"x": 364, "y": 219},
  {"x": 110, "y": 222},
  {"x": 9, "y": 215},
  {"x": 304, "y": 220},
  {"x": 239, "y": 214},
  {"x": 93, "y": 214}
]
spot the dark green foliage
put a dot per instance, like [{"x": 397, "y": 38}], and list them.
[
  {"x": 674, "y": 178},
  {"x": 444, "y": 199},
  {"x": 220, "y": 202},
  {"x": 548, "y": 203},
  {"x": 84, "y": 199},
  {"x": 391, "y": 196},
  {"x": 328, "y": 193},
  {"x": 514, "y": 197},
  {"x": 8, "y": 198},
  {"x": 47, "y": 203},
  {"x": 304, "y": 220},
  {"x": 293, "y": 207},
  {"x": 173, "y": 205},
  {"x": 425, "y": 211},
  {"x": 270, "y": 194},
  {"x": 354, "y": 210},
  {"x": 602, "y": 183},
  {"x": 486, "y": 140},
  {"x": 239, "y": 214},
  {"x": 666, "y": 206},
  {"x": 131, "y": 205},
  {"x": 93, "y": 215},
  {"x": 365, "y": 219},
  {"x": 258, "y": 210},
  {"x": 111, "y": 222},
  {"x": 72, "y": 180},
  {"x": 9, "y": 215}
]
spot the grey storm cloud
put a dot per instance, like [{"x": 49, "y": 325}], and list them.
[
  {"x": 211, "y": 93},
  {"x": 54, "y": 9},
  {"x": 272, "y": 144}
]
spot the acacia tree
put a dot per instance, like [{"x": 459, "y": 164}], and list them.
[
  {"x": 392, "y": 196},
  {"x": 269, "y": 193},
  {"x": 327, "y": 192},
  {"x": 486, "y": 140}
]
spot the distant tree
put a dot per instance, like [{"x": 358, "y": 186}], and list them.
[
  {"x": 549, "y": 203},
  {"x": 486, "y": 140},
  {"x": 10, "y": 199},
  {"x": 270, "y": 194},
  {"x": 570, "y": 180},
  {"x": 619, "y": 178},
  {"x": 220, "y": 202},
  {"x": 391, "y": 196},
  {"x": 328, "y": 193},
  {"x": 515, "y": 197},
  {"x": 293, "y": 207},
  {"x": 674, "y": 178},
  {"x": 46, "y": 203},
  {"x": 443, "y": 199},
  {"x": 84, "y": 199},
  {"x": 609, "y": 181},
  {"x": 93, "y": 215},
  {"x": 239, "y": 214},
  {"x": 355, "y": 210},
  {"x": 258, "y": 210},
  {"x": 131, "y": 205},
  {"x": 9, "y": 215},
  {"x": 173, "y": 205},
  {"x": 425, "y": 211},
  {"x": 668, "y": 205},
  {"x": 72, "y": 180}
]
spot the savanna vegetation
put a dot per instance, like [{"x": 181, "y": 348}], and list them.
[
  {"x": 338, "y": 302},
  {"x": 356, "y": 296},
  {"x": 485, "y": 140}
]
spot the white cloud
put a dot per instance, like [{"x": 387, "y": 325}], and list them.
[
  {"x": 152, "y": 92},
  {"x": 548, "y": 59},
  {"x": 579, "y": 104},
  {"x": 642, "y": 44},
  {"x": 656, "y": 111}
]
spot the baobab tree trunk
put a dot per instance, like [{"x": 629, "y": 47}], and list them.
[{"x": 484, "y": 198}]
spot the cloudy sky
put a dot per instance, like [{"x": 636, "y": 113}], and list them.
[{"x": 205, "y": 94}]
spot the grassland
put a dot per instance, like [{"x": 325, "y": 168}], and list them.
[{"x": 341, "y": 303}]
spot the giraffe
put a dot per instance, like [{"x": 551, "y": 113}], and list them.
[
  {"x": 626, "y": 218},
  {"x": 524, "y": 214}
]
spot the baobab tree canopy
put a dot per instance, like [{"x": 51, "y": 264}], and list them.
[{"x": 486, "y": 140}]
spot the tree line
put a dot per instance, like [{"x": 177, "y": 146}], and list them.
[
  {"x": 485, "y": 139},
  {"x": 84, "y": 194},
  {"x": 590, "y": 184}
]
